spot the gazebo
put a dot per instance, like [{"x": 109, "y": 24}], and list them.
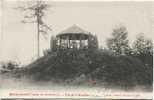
[{"x": 73, "y": 37}]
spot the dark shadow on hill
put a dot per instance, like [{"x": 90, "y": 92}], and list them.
[{"x": 96, "y": 67}]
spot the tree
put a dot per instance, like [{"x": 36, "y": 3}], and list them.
[
  {"x": 92, "y": 41},
  {"x": 118, "y": 43},
  {"x": 143, "y": 49},
  {"x": 9, "y": 66},
  {"x": 53, "y": 45},
  {"x": 142, "y": 45},
  {"x": 35, "y": 14}
]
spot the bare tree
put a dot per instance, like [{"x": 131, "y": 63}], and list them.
[{"x": 35, "y": 14}]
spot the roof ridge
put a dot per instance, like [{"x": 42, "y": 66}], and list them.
[{"x": 74, "y": 29}]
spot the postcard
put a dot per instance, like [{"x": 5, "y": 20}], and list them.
[{"x": 74, "y": 49}]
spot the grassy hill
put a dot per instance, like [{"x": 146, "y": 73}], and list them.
[{"x": 99, "y": 66}]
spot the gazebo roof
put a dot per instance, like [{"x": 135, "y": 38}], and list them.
[{"x": 74, "y": 30}]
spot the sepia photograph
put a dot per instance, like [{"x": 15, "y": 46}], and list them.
[{"x": 73, "y": 49}]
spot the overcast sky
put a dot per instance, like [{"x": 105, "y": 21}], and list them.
[{"x": 18, "y": 40}]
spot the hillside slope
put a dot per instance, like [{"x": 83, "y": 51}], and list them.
[{"x": 97, "y": 65}]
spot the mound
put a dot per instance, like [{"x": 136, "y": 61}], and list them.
[{"x": 96, "y": 65}]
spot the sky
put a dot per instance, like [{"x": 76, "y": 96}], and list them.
[{"x": 18, "y": 40}]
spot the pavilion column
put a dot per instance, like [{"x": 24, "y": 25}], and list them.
[
  {"x": 69, "y": 43},
  {"x": 60, "y": 43},
  {"x": 80, "y": 42}
]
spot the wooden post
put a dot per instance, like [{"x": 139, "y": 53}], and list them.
[
  {"x": 68, "y": 41},
  {"x": 80, "y": 43},
  {"x": 60, "y": 43}
]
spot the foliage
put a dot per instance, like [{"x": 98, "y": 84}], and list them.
[
  {"x": 60, "y": 64},
  {"x": 119, "y": 64},
  {"x": 99, "y": 65},
  {"x": 92, "y": 41},
  {"x": 9, "y": 66},
  {"x": 123, "y": 70},
  {"x": 36, "y": 13},
  {"x": 142, "y": 45},
  {"x": 143, "y": 49},
  {"x": 118, "y": 43},
  {"x": 53, "y": 43}
]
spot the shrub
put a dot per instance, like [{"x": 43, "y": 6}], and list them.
[{"x": 96, "y": 64}]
